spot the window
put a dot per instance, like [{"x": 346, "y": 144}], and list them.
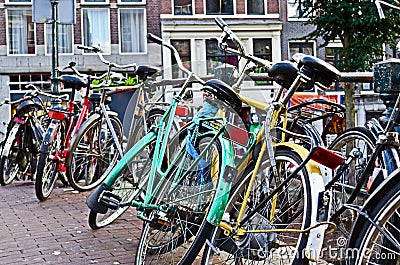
[
  {"x": 18, "y": 1},
  {"x": 302, "y": 47},
  {"x": 132, "y": 30},
  {"x": 132, "y": 1},
  {"x": 183, "y": 7},
  {"x": 96, "y": 28},
  {"x": 332, "y": 55},
  {"x": 18, "y": 82},
  {"x": 262, "y": 48},
  {"x": 216, "y": 59},
  {"x": 221, "y": 7},
  {"x": 21, "y": 32},
  {"x": 64, "y": 38},
  {"x": 94, "y": 1},
  {"x": 183, "y": 48},
  {"x": 295, "y": 9},
  {"x": 255, "y": 7}
]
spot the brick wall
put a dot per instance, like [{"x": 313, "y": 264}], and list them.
[
  {"x": 199, "y": 7},
  {"x": 114, "y": 25},
  {"x": 153, "y": 15},
  {"x": 2, "y": 26}
]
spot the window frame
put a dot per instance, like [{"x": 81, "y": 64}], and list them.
[
  {"x": 296, "y": 2},
  {"x": 18, "y": 3},
  {"x": 312, "y": 42},
  {"x": 83, "y": 32},
  {"x": 265, "y": 9},
  {"x": 89, "y": 3},
  {"x": 142, "y": 2},
  {"x": 46, "y": 52},
  {"x": 120, "y": 32},
  {"x": 8, "y": 36},
  {"x": 173, "y": 9},
  {"x": 233, "y": 7}
]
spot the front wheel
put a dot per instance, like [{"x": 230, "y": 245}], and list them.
[
  {"x": 367, "y": 244},
  {"x": 288, "y": 207},
  {"x": 93, "y": 152},
  {"x": 48, "y": 165},
  {"x": 187, "y": 192}
]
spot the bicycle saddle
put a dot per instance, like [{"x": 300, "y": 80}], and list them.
[
  {"x": 224, "y": 93},
  {"x": 284, "y": 73},
  {"x": 96, "y": 97},
  {"x": 144, "y": 71},
  {"x": 73, "y": 81},
  {"x": 319, "y": 71}
]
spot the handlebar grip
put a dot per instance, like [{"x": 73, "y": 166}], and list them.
[
  {"x": 220, "y": 22},
  {"x": 154, "y": 38}
]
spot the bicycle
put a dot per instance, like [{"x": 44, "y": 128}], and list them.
[
  {"x": 157, "y": 216},
  {"x": 64, "y": 125},
  {"x": 23, "y": 137}
]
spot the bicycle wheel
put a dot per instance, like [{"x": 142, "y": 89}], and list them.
[
  {"x": 12, "y": 158},
  {"x": 371, "y": 246},
  {"x": 187, "y": 193},
  {"x": 48, "y": 165},
  {"x": 362, "y": 139},
  {"x": 93, "y": 152},
  {"x": 128, "y": 187},
  {"x": 289, "y": 208}
]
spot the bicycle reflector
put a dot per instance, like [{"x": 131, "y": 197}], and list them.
[
  {"x": 326, "y": 157},
  {"x": 237, "y": 135},
  {"x": 182, "y": 111},
  {"x": 56, "y": 115}
]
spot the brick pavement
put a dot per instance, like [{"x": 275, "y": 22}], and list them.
[{"x": 56, "y": 231}]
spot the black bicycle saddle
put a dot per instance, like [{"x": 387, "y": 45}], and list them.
[
  {"x": 318, "y": 70},
  {"x": 73, "y": 81},
  {"x": 144, "y": 71},
  {"x": 224, "y": 93},
  {"x": 284, "y": 73}
]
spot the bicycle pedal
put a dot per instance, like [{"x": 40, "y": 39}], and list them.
[
  {"x": 159, "y": 224},
  {"x": 110, "y": 200}
]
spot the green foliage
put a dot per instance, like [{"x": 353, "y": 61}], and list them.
[
  {"x": 129, "y": 81},
  {"x": 358, "y": 26}
]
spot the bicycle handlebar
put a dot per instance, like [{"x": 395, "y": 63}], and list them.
[
  {"x": 98, "y": 50},
  {"x": 241, "y": 50},
  {"x": 175, "y": 54}
]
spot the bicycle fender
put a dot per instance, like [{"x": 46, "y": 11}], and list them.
[
  {"x": 10, "y": 139},
  {"x": 224, "y": 185},
  {"x": 316, "y": 235},
  {"x": 49, "y": 136},
  {"x": 311, "y": 166}
]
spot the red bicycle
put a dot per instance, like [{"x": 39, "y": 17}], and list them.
[{"x": 64, "y": 124}]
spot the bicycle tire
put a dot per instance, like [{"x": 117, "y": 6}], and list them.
[
  {"x": 258, "y": 248},
  {"x": 126, "y": 188},
  {"x": 367, "y": 245},
  {"x": 47, "y": 168},
  {"x": 93, "y": 152},
  {"x": 364, "y": 140},
  {"x": 165, "y": 238},
  {"x": 9, "y": 166}
]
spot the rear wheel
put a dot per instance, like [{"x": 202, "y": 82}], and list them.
[
  {"x": 362, "y": 140},
  {"x": 288, "y": 208},
  {"x": 93, "y": 153},
  {"x": 12, "y": 158},
  {"x": 168, "y": 234},
  {"x": 48, "y": 165}
]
